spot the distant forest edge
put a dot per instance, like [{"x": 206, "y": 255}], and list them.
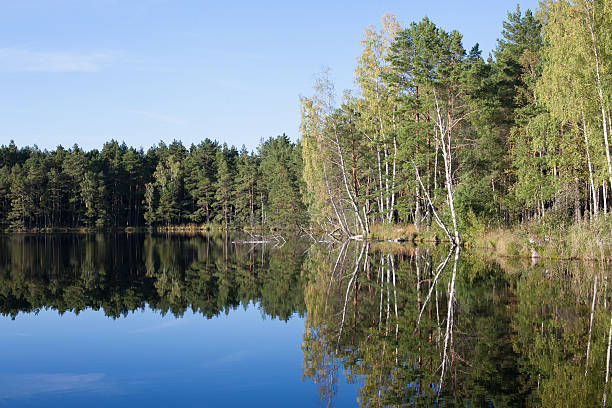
[
  {"x": 168, "y": 185},
  {"x": 434, "y": 136}
]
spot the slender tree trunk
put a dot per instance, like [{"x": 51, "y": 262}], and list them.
[
  {"x": 393, "y": 176},
  {"x": 577, "y": 214},
  {"x": 387, "y": 192},
  {"x": 588, "y": 154},
  {"x": 445, "y": 130},
  {"x": 417, "y": 208},
  {"x": 381, "y": 201},
  {"x": 262, "y": 208},
  {"x": 365, "y": 218},
  {"x": 605, "y": 198}
]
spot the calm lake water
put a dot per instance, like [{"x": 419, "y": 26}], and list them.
[{"x": 141, "y": 320}]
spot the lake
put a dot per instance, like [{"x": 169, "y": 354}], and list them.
[{"x": 192, "y": 320}]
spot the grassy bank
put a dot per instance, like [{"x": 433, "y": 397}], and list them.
[
  {"x": 588, "y": 240},
  {"x": 585, "y": 240},
  {"x": 389, "y": 232}
]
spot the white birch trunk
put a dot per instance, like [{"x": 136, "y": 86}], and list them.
[
  {"x": 393, "y": 176},
  {"x": 387, "y": 192},
  {"x": 446, "y": 141},
  {"x": 588, "y": 154},
  {"x": 605, "y": 198},
  {"x": 380, "y": 183}
]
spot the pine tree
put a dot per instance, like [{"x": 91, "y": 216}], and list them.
[
  {"x": 280, "y": 185},
  {"x": 21, "y": 204},
  {"x": 200, "y": 179},
  {"x": 246, "y": 187},
  {"x": 224, "y": 186}
]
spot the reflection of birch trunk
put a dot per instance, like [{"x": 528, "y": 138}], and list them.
[
  {"x": 388, "y": 302},
  {"x": 341, "y": 255},
  {"x": 590, "y": 327},
  {"x": 392, "y": 262},
  {"x": 439, "y": 270},
  {"x": 348, "y": 289},
  {"x": 438, "y": 316},
  {"x": 608, "y": 363},
  {"x": 382, "y": 278},
  {"x": 449, "y": 318},
  {"x": 418, "y": 276}
]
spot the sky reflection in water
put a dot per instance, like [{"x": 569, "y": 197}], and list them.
[{"x": 242, "y": 358}]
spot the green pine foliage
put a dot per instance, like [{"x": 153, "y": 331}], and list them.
[{"x": 121, "y": 187}]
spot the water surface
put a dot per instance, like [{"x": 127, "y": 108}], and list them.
[{"x": 129, "y": 320}]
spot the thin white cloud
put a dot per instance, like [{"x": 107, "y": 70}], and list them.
[
  {"x": 25, "y": 60},
  {"x": 160, "y": 117}
]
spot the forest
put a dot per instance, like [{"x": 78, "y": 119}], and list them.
[
  {"x": 119, "y": 186},
  {"x": 433, "y": 134}
]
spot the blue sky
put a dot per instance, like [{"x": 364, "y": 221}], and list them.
[{"x": 141, "y": 71}]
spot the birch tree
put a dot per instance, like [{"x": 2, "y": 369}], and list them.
[
  {"x": 575, "y": 80},
  {"x": 378, "y": 115}
]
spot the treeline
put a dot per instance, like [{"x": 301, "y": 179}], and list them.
[
  {"x": 119, "y": 186},
  {"x": 437, "y": 134}
]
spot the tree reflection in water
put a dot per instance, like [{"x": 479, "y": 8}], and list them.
[
  {"x": 124, "y": 273},
  {"x": 436, "y": 327}
]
